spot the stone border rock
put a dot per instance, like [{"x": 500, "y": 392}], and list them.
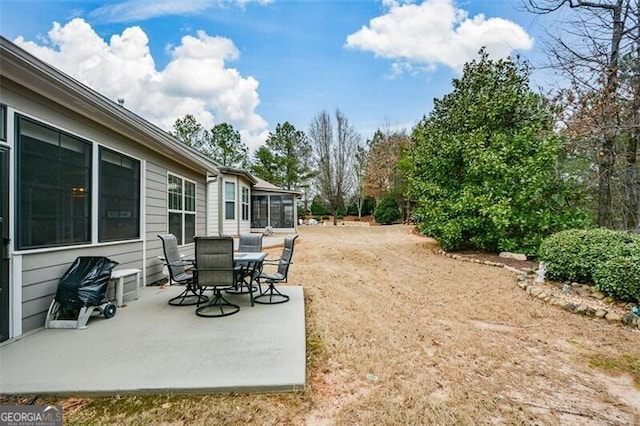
[{"x": 601, "y": 308}]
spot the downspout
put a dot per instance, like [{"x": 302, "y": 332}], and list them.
[
  {"x": 213, "y": 184},
  {"x": 210, "y": 182},
  {"x": 220, "y": 205}
]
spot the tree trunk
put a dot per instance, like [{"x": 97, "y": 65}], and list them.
[
  {"x": 634, "y": 135},
  {"x": 631, "y": 188},
  {"x": 606, "y": 154},
  {"x": 604, "y": 184}
]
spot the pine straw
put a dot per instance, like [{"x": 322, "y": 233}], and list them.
[{"x": 399, "y": 335}]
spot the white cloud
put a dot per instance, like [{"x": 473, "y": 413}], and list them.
[
  {"x": 196, "y": 81},
  {"x": 435, "y": 33},
  {"x": 139, "y": 10}
]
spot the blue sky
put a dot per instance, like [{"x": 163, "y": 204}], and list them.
[{"x": 255, "y": 64}]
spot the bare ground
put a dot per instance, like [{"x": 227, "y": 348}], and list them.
[
  {"x": 448, "y": 341},
  {"x": 397, "y": 334}
]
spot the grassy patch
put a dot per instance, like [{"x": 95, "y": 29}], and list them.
[{"x": 625, "y": 364}]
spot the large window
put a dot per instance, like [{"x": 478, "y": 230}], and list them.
[
  {"x": 119, "y": 197},
  {"x": 182, "y": 208},
  {"x": 245, "y": 203},
  {"x": 54, "y": 187},
  {"x": 272, "y": 210},
  {"x": 229, "y": 200}
]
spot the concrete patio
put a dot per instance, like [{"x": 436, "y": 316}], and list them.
[{"x": 150, "y": 346}]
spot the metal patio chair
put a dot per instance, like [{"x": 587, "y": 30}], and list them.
[
  {"x": 215, "y": 271},
  {"x": 248, "y": 243},
  {"x": 271, "y": 295},
  {"x": 179, "y": 274}
]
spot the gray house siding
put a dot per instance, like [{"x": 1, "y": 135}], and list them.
[
  {"x": 36, "y": 272},
  {"x": 157, "y": 218},
  {"x": 42, "y": 271}
]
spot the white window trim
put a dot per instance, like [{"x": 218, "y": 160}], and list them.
[
  {"x": 183, "y": 212},
  {"x": 234, "y": 201},
  {"x": 243, "y": 203}
]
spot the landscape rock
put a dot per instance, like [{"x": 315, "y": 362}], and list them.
[
  {"x": 581, "y": 309},
  {"x": 612, "y": 317},
  {"x": 509, "y": 255},
  {"x": 629, "y": 318}
]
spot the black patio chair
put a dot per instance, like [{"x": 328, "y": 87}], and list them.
[
  {"x": 179, "y": 274},
  {"x": 215, "y": 271},
  {"x": 271, "y": 295}
]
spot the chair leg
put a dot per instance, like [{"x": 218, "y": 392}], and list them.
[
  {"x": 217, "y": 307},
  {"x": 188, "y": 297},
  {"x": 271, "y": 296}
]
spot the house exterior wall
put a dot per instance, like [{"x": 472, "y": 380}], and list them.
[
  {"x": 34, "y": 273},
  {"x": 157, "y": 207},
  {"x": 237, "y": 225}
]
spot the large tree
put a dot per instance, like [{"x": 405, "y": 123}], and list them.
[
  {"x": 590, "y": 49},
  {"x": 361, "y": 158},
  {"x": 227, "y": 146},
  {"x": 334, "y": 141},
  {"x": 221, "y": 143},
  {"x": 191, "y": 132},
  {"x": 384, "y": 175},
  {"x": 284, "y": 158},
  {"x": 483, "y": 164}
]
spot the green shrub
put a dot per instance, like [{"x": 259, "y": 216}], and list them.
[
  {"x": 387, "y": 211},
  {"x": 619, "y": 277},
  {"x": 576, "y": 254}
]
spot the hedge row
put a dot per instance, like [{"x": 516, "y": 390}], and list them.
[{"x": 609, "y": 259}]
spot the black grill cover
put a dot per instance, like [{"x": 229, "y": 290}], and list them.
[{"x": 85, "y": 282}]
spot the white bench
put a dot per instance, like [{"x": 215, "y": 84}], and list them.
[{"x": 118, "y": 275}]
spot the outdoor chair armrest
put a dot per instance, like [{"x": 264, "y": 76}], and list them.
[
  {"x": 181, "y": 263},
  {"x": 235, "y": 269},
  {"x": 275, "y": 262}
]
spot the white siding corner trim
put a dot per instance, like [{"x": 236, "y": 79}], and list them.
[{"x": 15, "y": 294}]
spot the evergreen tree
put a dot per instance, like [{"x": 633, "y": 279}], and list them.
[
  {"x": 284, "y": 159},
  {"x": 483, "y": 164}
]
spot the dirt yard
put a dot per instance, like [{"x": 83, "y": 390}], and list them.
[{"x": 398, "y": 334}]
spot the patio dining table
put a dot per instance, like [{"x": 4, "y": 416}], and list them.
[
  {"x": 252, "y": 266},
  {"x": 251, "y": 263}
]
